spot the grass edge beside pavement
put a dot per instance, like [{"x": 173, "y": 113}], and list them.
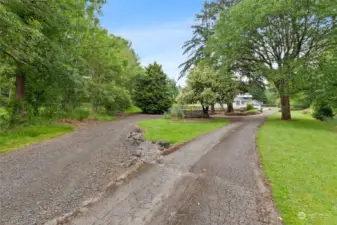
[
  {"x": 24, "y": 136},
  {"x": 179, "y": 131},
  {"x": 299, "y": 158},
  {"x": 20, "y": 137}
]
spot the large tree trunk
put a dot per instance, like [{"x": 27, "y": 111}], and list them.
[
  {"x": 230, "y": 108},
  {"x": 95, "y": 108},
  {"x": 20, "y": 94},
  {"x": 205, "y": 111},
  {"x": 285, "y": 108}
]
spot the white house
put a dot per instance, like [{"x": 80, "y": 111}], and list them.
[{"x": 242, "y": 100}]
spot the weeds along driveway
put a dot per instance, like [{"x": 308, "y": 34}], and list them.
[{"x": 48, "y": 179}]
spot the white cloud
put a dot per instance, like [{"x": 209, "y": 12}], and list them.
[{"x": 162, "y": 43}]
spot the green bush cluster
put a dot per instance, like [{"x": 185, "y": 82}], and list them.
[
  {"x": 249, "y": 107},
  {"x": 322, "y": 111},
  {"x": 4, "y": 117},
  {"x": 167, "y": 115},
  {"x": 175, "y": 112},
  {"x": 81, "y": 114}
]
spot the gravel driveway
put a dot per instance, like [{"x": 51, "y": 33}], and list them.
[
  {"x": 214, "y": 180},
  {"x": 51, "y": 178}
]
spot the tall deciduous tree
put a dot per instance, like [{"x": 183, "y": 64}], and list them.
[
  {"x": 36, "y": 37},
  {"x": 207, "y": 87},
  {"x": 61, "y": 57},
  {"x": 277, "y": 38}
]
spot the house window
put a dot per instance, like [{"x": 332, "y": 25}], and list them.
[{"x": 237, "y": 102}]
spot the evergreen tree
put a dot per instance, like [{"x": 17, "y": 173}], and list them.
[
  {"x": 152, "y": 91},
  {"x": 202, "y": 31}
]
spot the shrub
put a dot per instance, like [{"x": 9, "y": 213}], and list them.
[
  {"x": 14, "y": 113},
  {"x": 4, "y": 117},
  {"x": 249, "y": 107},
  {"x": 253, "y": 112},
  {"x": 322, "y": 111},
  {"x": 50, "y": 112},
  {"x": 167, "y": 115},
  {"x": 177, "y": 112},
  {"x": 80, "y": 114}
]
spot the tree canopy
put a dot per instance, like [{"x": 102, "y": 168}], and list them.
[
  {"x": 207, "y": 87},
  {"x": 202, "y": 31},
  {"x": 60, "y": 57},
  {"x": 276, "y": 39}
]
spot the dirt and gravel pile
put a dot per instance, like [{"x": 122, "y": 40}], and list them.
[{"x": 143, "y": 150}]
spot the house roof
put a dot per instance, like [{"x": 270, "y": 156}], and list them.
[{"x": 246, "y": 95}]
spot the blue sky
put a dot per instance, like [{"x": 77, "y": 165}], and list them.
[{"x": 156, "y": 28}]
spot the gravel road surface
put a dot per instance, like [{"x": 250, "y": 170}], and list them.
[
  {"x": 51, "y": 178},
  {"x": 214, "y": 180}
]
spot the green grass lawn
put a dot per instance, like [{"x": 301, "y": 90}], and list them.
[
  {"x": 24, "y": 136},
  {"x": 178, "y": 131},
  {"x": 300, "y": 159},
  {"x": 132, "y": 110}
]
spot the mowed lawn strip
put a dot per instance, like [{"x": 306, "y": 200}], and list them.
[
  {"x": 300, "y": 159},
  {"x": 179, "y": 131},
  {"x": 24, "y": 136}
]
